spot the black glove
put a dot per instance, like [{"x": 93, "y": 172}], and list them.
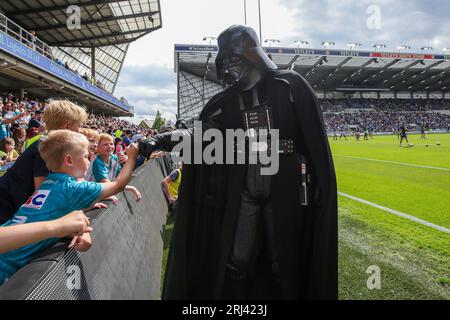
[
  {"x": 147, "y": 146},
  {"x": 162, "y": 142}
]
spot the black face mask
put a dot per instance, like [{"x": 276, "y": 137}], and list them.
[
  {"x": 233, "y": 70},
  {"x": 237, "y": 71}
]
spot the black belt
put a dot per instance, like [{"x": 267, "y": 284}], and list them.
[{"x": 284, "y": 147}]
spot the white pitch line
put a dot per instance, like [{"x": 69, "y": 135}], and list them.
[
  {"x": 397, "y": 213},
  {"x": 394, "y": 162}
]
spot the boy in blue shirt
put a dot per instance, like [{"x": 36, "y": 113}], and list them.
[
  {"x": 66, "y": 154},
  {"x": 106, "y": 166}
]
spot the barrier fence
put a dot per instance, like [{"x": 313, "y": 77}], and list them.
[{"x": 124, "y": 261}]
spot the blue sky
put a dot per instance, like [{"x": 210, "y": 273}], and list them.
[{"x": 149, "y": 82}]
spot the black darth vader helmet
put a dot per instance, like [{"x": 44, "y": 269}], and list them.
[{"x": 239, "y": 47}]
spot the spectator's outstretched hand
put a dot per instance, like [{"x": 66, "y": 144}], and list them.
[
  {"x": 137, "y": 194},
  {"x": 122, "y": 158},
  {"x": 135, "y": 191},
  {"x": 156, "y": 155},
  {"x": 100, "y": 205},
  {"x": 114, "y": 200},
  {"x": 133, "y": 151},
  {"x": 81, "y": 243},
  {"x": 72, "y": 224}
]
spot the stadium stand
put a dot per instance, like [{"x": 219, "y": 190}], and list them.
[
  {"x": 377, "y": 91},
  {"x": 385, "y": 121},
  {"x": 385, "y": 115},
  {"x": 385, "y": 105}
]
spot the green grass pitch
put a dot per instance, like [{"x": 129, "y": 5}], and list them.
[{"x": 414, "y": 259}]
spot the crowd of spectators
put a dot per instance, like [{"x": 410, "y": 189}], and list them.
[
  {"x": 384, "y": 115},
  {"x": 387, "y": 121},
  {"x": 109, "y": 124}
]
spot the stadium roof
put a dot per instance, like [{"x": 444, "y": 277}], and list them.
[
  {"x": 340, "y": 70},
  {"x": 103, "y": 22}
]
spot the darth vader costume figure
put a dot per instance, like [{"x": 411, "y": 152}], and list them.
[{"x": 240, "y": 234}]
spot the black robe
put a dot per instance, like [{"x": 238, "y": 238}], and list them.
[{"x": 209, "y": 199}]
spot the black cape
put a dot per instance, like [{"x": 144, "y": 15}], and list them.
[{"x": 209, "y": 199}]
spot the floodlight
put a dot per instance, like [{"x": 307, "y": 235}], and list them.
[
  {"x": 301, "y": 42},
  {"x": 271, "y": 41},
  {"x": 210, "y": 39},
  {"x": 403, "y": 47}
]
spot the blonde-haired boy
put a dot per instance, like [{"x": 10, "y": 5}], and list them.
[
  {"x": 106, "y": 166},
  {"x": 63, "y": 114},
  {"x": 29, "y": 171},
  {"x": 66, "y": 155},
  {"x": 90, "y": 134},
  {"x": 60, "y": 144}
]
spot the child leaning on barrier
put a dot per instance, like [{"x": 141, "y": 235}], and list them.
[
  {"x": 29, "y": 171},
  {"x": 93, "y": 137},
  {"x": 66, "y": 154},
  {"x": 107, "y": 166}
]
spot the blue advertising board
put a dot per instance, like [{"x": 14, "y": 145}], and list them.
[
  {"x": 21, "y": 51},
  {"x": 320, "y": 52}
]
